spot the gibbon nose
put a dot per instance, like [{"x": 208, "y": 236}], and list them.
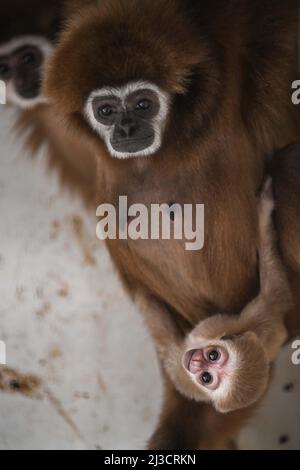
[{"x": 127, "y": 127}]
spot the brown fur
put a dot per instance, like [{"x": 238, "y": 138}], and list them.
[
  {"x": 285, "y": 170},
  {"x": 188, "y": 425},
  {"x": 251, "y": 341},
  {"x": 228, "y": 67}
]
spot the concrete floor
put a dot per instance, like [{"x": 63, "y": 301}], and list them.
[{"x": 81, "y": 370}]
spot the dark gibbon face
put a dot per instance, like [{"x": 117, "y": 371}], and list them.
[
  {"x": 130, "y": 119},
  {"x": 27, "y": 33},
  {"x": 21, "y": 64},
  {"x": 129, "y": 72}
]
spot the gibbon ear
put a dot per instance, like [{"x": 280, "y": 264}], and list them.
[{"x": 250, "y": 336}]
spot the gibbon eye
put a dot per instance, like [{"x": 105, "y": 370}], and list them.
[
  {"x": 144, "y": 105},
  {"x": 4, "y": 70},
  {"x": 207, "y": 378},
  {"x": 214, "y": 355},
  {"x": 105, "y": 111},
  {"x": 29, "y": 58}
]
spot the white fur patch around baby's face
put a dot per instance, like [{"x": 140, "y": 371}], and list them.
[
  {"x": 122, "y": 93},
  {"x": 45, "y": 47}
]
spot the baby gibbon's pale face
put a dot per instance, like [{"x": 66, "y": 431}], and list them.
[
  {"x": 209, "y": 365},
  {"x": 231, "y": 371}
]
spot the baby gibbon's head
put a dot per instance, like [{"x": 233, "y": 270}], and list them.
[{"x": 230, "y": 368}]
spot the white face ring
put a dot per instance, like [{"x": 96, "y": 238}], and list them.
[{"x": 122, "y": 93}]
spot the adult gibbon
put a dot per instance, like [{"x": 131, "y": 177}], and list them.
[{"x": 184, "y": 101}]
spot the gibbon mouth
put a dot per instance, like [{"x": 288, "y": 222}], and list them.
[
  {"x": 30, "y": 93},
  {"x": 187, "y": 359},
  {"x": 132, "y": 145},
  {"x": 122, "y": 142}
]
